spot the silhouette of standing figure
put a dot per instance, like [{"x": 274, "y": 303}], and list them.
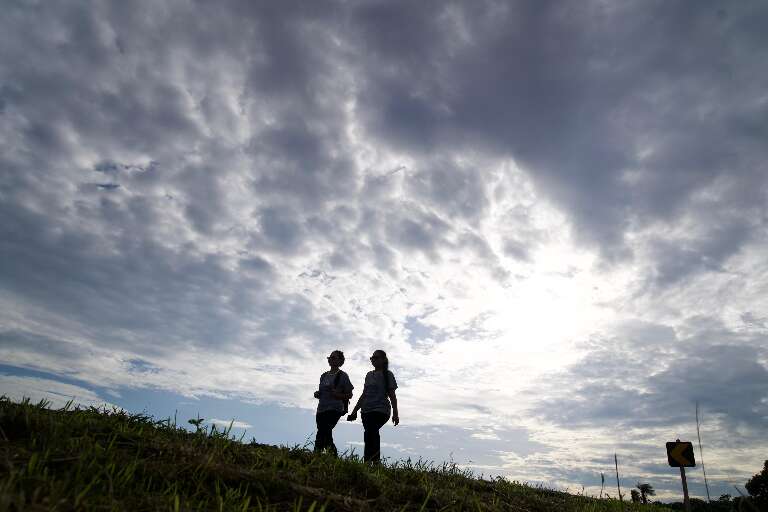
[
  {"x": 333, "y": 394},
  {"x": 379, "y": 391}
]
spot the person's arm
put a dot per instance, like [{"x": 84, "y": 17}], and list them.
[
  {"x": 393, "y": 399},
  {"x": 317, "y": 393},
  {"x": 353, "y": 415}
]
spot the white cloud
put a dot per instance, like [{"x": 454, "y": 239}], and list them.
[
  {"x": 58, "y": 394},
  {"x": 228, "y": 423}
]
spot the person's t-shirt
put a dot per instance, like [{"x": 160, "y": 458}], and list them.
[
  {"x": 376, "y": 399},
  {"x": 327, "y": 402}
]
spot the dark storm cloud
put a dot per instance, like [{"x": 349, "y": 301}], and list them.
[
  {"x": 129, "y": 85},
  {"x": 187, "y": 298},
  {"x": 637, "y": 389},
  {"x": 581, "y": 96},
  {"x": 457, "y": 191},
  {"x": 297, "y": 164},
  {"x": 650, "y": 376},
  {"x": 121, "y": 280},
  {"x": 280, "y": 230},
  {"x": 418, "y": 230},
  {"x": 675, "y": 260},
  {"x": 751, "y": 320},
  {"x": 576, "y": 95},
  {"x": 256, "y": 264}
]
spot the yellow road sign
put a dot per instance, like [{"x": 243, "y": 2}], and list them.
[{"x": 680, "y": 454}]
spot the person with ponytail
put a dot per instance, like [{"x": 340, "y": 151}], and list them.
[
  {"x": 333, "y": 394},
  {"x": 378, "y": 393}
]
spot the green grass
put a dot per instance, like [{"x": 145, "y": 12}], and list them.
[{"x": 90, "y": 459}]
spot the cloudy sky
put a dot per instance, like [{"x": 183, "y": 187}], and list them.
[{"x": 552, "y": 215}]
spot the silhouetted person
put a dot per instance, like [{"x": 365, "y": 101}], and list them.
[
  {"x": 334, "y": 393},
  {"x": 379, "y": 391}
]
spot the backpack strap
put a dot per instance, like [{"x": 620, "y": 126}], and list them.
[{"x": 336, "y": 385}]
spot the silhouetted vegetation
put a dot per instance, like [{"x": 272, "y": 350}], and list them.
[
  {"x": 725, "y": 503},
  {"x": 757, "y": 487},
  {"x": 90, "y": 459},
  {"x": 645, "y": 491}
]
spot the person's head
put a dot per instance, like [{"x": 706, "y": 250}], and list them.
[
  {"x": 379, "y": 360},
  {"x": 336, "y": 359}
]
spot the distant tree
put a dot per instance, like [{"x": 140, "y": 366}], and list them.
[
  {"x": 635, "y": 496},
  {"x": 757, "y": 487},
  {"x": 645, "y": 491}
]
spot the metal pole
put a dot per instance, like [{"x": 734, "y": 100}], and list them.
[
  {"x": 685, "y": 490},
  {"x": 701, "y": 453}
]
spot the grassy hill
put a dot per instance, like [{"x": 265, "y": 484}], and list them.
[{"x": 86, "y": 459}]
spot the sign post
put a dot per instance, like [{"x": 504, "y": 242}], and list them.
[
  {"x": 685, "y": 489},
  {"x": 680, "y": 455}
]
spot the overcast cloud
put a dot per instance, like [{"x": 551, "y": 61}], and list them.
[{"x": 552, "y": 215}]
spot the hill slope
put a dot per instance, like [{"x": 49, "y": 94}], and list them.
[{"x": 86, "y": 459}]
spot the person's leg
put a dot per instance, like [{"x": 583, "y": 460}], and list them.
[
  {"x": 368, "y": 435},
  {"x": 323, "y": 431},
  {"x": 372, "y": 422},
  {"x": 333, "y": 419},
  {"x": 381, "y": 420},
  {"x": 320, "y": 436}
]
